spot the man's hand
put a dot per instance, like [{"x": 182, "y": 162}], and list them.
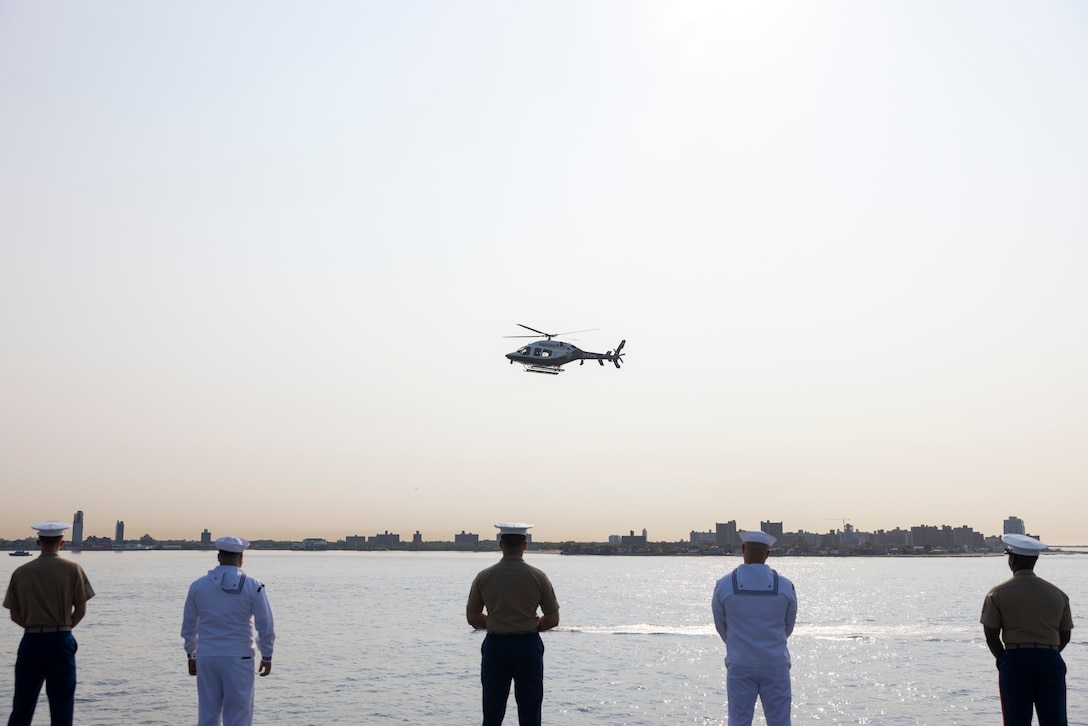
[
  {"x": 192, "y": 666},
  {"x": 265, "y": 668}
]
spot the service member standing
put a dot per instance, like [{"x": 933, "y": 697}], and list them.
[
  {"x": 512, "y": 590},
  {"x": 1027, "y": 623},
  {"x": 47, "y": 598},
  {"x": 221, "y": 612},
  {"x": 754, "y": 611}
]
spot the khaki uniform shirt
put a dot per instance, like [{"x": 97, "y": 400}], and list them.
[
  {"x": 1027, "y": 609},
  {"x": 512, "y": 590},
  {"x": 44, "y": 591}
]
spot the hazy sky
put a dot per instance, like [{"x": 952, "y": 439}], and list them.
[{"x": 257, "y": 260}]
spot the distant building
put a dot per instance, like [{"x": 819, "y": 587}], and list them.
[
  {"x": 966, "y": 539},
  {"x": 77, "y": 531},
  {"x": 772, "y": 528},
  {"x": 466, "y": 538},
  {"x": 633, "y": 540},
  {"x": 97, "y": 544},
  {"x": 1014, "y": 525},
  {"x": 206, "y": 538},
  {"x": 385, "y": 540},
  {"x": 726, "y": 533},
  {"x": 355, "y": 541},
  {"x": 417, "y": 538},
  {"x": 698, "y": 538},
  {"x": 311, "y": 544},
  {"x": 119, "y": 533},
  {"x": 614, "y": 539}
]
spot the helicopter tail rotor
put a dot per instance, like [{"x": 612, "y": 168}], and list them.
[{"x": 616, "y": 356}]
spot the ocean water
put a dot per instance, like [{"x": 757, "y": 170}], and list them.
[{"x": 380, "y": 638}]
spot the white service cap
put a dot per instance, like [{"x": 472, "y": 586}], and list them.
[
  {"x": 513, "y": 528},
  {"x": 51, "y": 529},
  {"x": 1021, "y": 544},
  {"x": 759, "y": 537},
  {"x": 231, "y": 544}
]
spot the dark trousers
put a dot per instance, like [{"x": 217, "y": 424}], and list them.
[
  {"x": 48, "y": 658},
  {"x": 517, "y": 658},
  {"x": 1032, "y": 677}
]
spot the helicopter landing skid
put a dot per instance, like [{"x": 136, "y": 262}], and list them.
[{"x": 549, "y": 370}]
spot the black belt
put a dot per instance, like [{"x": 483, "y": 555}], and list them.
[
  {"x": 49, "y": 629},
  {"x": 1014, "y": 646},
  {"x": 524, "y": 632}
]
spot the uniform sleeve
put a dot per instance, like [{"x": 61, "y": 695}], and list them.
[
  {"x": 262, "y": 621},
  {"x": 549, "y": 604},
  {"x": 791, "y": 611},
  {"x": 1067, "y": 617},
  {"x": 83, "y": 589},
  {"x": 717, "y": 607},
  {"x": 10, "y": 600},
  {"x": 475, "y": 597},
  {"x": 190, "y": 622},
  {"x": 991, "y": 616}
]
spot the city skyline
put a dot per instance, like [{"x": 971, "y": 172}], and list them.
[
  {"x": 406, "y": 534},
  {"x": 263, "y": 288}
]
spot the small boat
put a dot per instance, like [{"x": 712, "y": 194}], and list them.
[{"x": 19, "y": 553}]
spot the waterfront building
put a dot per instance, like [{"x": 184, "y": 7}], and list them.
[
  {"x": 385, "y": 540},
  {"x": 206, "y": 538},
  {"x": 417, "y": 538},
  {"x": 466, "y": 538},
  {"x": 1014, "y": 525},
  {"x": 699, "y": 538},
  {"x": 119, "y": 535},
  {"x": 633, "y": 540},
  {"x": 772, "y": 528},
  {"x": 77, "y": 531},
  {"x": 355, "y": 541},
  {"x": 726, "y": 533}
]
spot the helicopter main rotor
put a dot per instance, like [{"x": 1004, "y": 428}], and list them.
[{"x": 549, "y": 336}]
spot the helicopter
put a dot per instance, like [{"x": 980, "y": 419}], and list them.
[{"x": 549, "y": 356}]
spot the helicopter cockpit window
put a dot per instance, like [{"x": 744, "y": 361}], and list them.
[
  {"x": 544, "y": 353},
  {"x": 524, "y": 351}
]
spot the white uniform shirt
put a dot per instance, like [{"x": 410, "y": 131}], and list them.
[
  {"x": 754, "y": 611},
  {"x": 221, "y": 611}
]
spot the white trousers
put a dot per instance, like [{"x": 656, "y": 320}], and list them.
[
  {"x": 771, "y": 684},
  {"x": 224, "y": 686}
]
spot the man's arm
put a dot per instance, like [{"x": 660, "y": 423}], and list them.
[
  {"x": 993, "y": 640},
  {"x": 1063, "y": 638},
  {"x": 476, "y": 619},
  {"x": 17, "y": 618},
  {"x": 717, "y": 607},
  {"x": 547, "y": 621},
  {"x": 78, "y": 611}
]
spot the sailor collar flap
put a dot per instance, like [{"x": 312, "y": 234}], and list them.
[{"x": 758, "y": 585}]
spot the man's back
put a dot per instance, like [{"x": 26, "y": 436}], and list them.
[
  {"x": 512, "y": 589},
  {"x": 754, "y": 610},
  {"x": 221, "y": 611},
  {"x": 45, "y": 589},
  {"x": 1027, "y": 609}
]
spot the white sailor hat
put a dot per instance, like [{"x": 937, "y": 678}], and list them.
[
  {"x": 231, "y": 544},
  {"x": 757, "y": 537},
  {"x": 1021, "y": 544},
  {"x": 513, "y": 528},
  {"x": 51, "y": 529}
]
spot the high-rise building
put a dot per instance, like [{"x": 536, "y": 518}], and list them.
[
  {"x": 206, "y": 538},
  {"x": 1014, "y": 525},
  {"x": 119, "y": 533},
  {"x": 726, "y": 532},
  {"x": 77, "y": 531},
  {"x": 772, "y": 528}
]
